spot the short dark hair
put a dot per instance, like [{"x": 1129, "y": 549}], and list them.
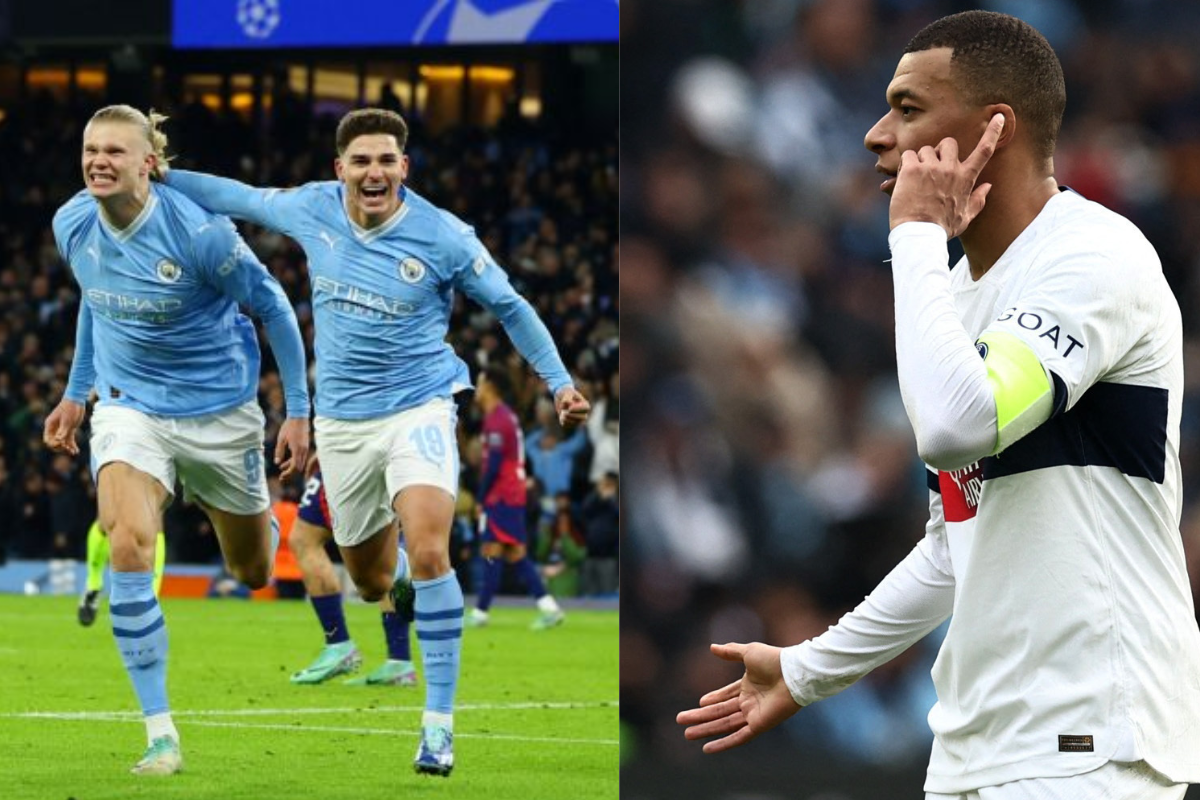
[
  {"x": 498, "y": 377},
  {"x": 364, "y": 121},
  {"x": 1002, "y": 59}
]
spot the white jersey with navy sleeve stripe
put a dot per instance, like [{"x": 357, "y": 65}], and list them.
[
  {"x": 159, "y": 325},
  {"x": 1074, "y": 639},
  {"x": 382, "y": 297}
]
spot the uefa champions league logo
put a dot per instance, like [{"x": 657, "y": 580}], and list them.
[
  {"x": 258, "y": 18},
  {"x": 481, "y": 22}
]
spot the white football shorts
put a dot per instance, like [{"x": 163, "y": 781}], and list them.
[
  {"x": 1114, "y": 781},
  {"x": 217, "y": 457},
  {"x": 365, "y": 463}
]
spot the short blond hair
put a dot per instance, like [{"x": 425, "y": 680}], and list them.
[{"x": 149, "y": 124}]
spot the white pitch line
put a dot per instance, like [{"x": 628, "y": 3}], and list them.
[
  {"x": 394, "y": 732},
  {"x": 113, "y": 717},
  {"x": 268, "y": 712}
]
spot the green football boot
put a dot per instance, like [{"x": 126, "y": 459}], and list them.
[
  {"x": 389, "y": 673},
  {"x": 548, "y": 619},
  {"x": 336, "y": 659},
  {"x": 162, "y": 757}
]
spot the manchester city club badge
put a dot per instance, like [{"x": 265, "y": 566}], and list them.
[
  {"x": 169, "y": 271},
  {"x": 411, "y": 270}
]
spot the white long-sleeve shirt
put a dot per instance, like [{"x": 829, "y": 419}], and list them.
[{"x": 1073, "y": 640}]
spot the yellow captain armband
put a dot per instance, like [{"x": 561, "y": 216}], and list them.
[{"x": 1024, "y": 396}]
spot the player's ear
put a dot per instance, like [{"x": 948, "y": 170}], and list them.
[
  {"x": 1010, "y": 121},
  {"x": 404, "y": 166},
  {"x": 338, "y": 168}
]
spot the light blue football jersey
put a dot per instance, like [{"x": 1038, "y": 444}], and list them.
[
  {"x": 382, "y": 297},
  {"x": 159, "y": 325}
]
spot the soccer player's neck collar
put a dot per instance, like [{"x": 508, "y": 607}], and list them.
[
  {"x": 370, "y": 234},
  {"x": 126, "y": 233}
]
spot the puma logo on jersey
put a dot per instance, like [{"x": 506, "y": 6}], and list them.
[{"x": 329, "y": 240}]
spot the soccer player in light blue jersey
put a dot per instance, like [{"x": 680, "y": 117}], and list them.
[
  {"x": 384, "y": 264},
  {"x": 175, "y": 366}
]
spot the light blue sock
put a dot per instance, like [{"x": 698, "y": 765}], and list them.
[
  {"x": 141, "y": 635},
  {"x": 439, "y": 621}
]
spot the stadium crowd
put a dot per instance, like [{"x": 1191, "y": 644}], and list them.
[
  {"x": 544, "y": 203},
  {"x": 776, "y": 472}
]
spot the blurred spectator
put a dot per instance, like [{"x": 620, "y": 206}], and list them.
[
  {"x": 562, "y": 551},
  {"x": 33, "y": 536},
  {"x": 601, "y": 519},
  {"x": 552, "y": 460},
  {"x": 604, "y": 431},
  {"x": 10, "y": 508},
  {"x": 71, "y": 509}
]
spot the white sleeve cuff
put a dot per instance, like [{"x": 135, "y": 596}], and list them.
[
  {"x": 921, "y": 231},
  {"x": 912, "y": 600}
]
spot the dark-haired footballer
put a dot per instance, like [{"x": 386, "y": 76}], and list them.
[
  {"x": 384, "y": 264},
  {"x": 1043, "y": 377}
]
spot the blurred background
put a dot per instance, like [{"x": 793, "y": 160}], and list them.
[
  {"x": 512, "y": 107},
  {"x": 776, "y": 476}
]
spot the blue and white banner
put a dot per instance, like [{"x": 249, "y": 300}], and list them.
[{"x": 339, "y": 23}]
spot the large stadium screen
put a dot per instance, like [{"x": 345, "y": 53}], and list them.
[{"x": 325, "y": 23}]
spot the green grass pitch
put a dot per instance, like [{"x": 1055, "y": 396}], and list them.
[{"x": 537, "y": 717}]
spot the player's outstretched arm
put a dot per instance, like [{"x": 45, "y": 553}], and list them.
[
  {"x": 487, "y": 284},
  {"x": 265, "y": 207},
  {"x": 912, "y": 600},
  {"x": 737, "y": 713}
]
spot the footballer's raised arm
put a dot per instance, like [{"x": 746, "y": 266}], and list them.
[
  {"x": 965, "y": 399},
  {"x": 270, "y": 208},
  {"x": 482, "y": 279}
]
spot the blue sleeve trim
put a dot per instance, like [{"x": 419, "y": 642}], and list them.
[
  {"x": 439, "y": 636},
  {"x": 138, "y": 634},
  {"x": 135, "y": 609},
  {"x": 434, "y": 616}
]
